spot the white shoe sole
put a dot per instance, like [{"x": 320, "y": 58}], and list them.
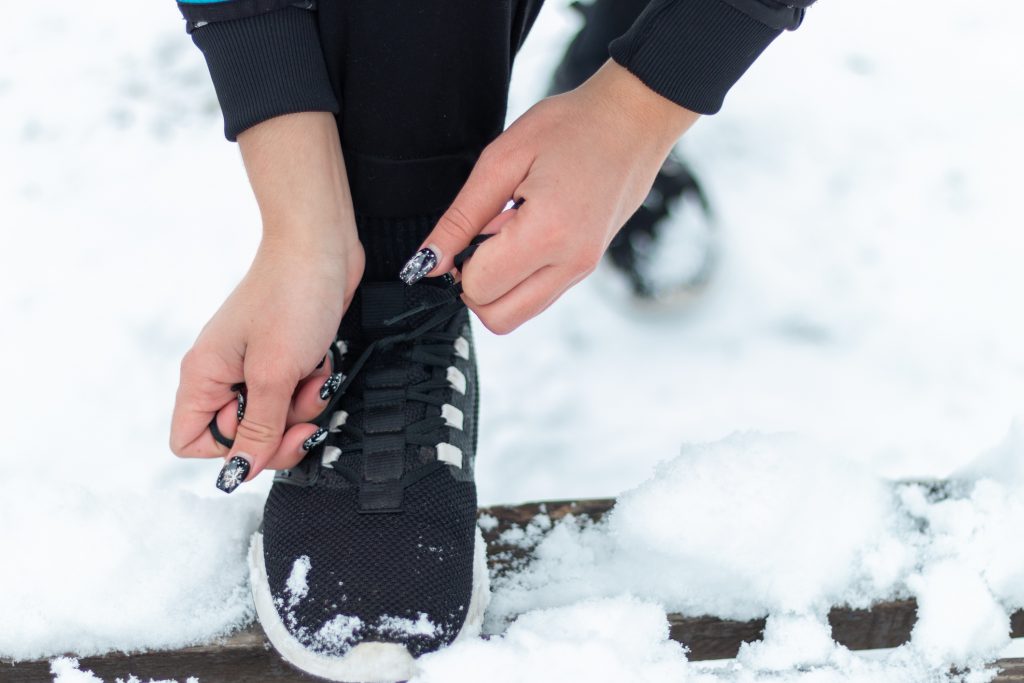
[{"x": 367, "y": 662}]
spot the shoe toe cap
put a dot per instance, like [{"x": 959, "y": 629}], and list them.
[{"x": 338, "y": 578}]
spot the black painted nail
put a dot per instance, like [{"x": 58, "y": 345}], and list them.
[
  {"x": 448, "y": 279},
  {"x": 240, "y": 412},
  {"x": 315, "y": 439},
  {"x": 331, "y": 385},
  {"x": 422, "y": 262},
  {"x": 321, "y": 363},
  {"x": 233, "y": 474},
  {"x": 516, "y": 203}
]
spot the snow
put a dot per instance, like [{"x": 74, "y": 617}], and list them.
[
  {"x": 777, "y": 526},
  {"x": 334, "y": 637},
  {"x": 862, "y": 327},
  {"x": 959, "y": 620},
  {"x": 422, "y": 626},
  {"x": 296, "y": 585},
  {"x": 739, "y": 528},
  {"x": 90, "y": 572},
  {"x": 66, "y": 670},
  {"x": 790, "y": 642},
  {"x": 487, "y": 522},
  {"x": 626, "y": 639},
  {"x": 584, "y": 641}
]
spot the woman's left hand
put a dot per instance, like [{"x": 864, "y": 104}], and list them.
[{"x": 583, "y": 162}]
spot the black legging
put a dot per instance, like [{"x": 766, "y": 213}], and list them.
[{"x": 423, "y": 89}]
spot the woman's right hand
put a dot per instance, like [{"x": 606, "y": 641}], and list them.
[{"x": 275, "y": 327}]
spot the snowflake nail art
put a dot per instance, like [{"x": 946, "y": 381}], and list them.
[
  {"x": 233, "y": 474},
  {"x": 315, "y": 439},
  {"x": 331, "y": 385},
  {"x": 416, "y": 268}
]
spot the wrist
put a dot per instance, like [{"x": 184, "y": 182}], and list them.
[
  {"x": 333, "y": 237},
  {"x": 298, "y": 177},
  {"x": 636, "y": 107},
  {"x": 301, "y": 216}
]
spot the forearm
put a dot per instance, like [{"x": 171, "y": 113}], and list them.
[
  {"x": 653, "y": 119},
  {"x": 295, "y": 166}
]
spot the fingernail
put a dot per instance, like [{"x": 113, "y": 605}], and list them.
[
  {"x": 321, "y": 363},
  {"x": 234, "y": 473},
  {"x": 240, "y": 412},
  {"x": 315, "y": 439},
  {"x": 516, "y": 203},
  {"x": 331, "y": 385},
  {"x": 422, "y": 262}
]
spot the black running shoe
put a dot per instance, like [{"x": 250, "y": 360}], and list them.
[
  {"x": 666, "y": 250},
  {"x": 369, "y": 554}
]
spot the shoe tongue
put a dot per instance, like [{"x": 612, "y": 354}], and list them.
[{"x": 384, "y": 301}]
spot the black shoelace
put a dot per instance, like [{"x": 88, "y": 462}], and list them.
[
  {"x": 431, "y": 346},
  {"x": 422, "y": 335}
]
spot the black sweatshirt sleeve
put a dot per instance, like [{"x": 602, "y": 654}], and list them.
[
  {"x": 264, "y": 58},
  {"x": 693, "y": 51}
]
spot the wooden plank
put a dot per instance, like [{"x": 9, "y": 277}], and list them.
[
  {"x": 1011, "y": 671},
  {"x": 247, "y": 656},
  {"x": 711, "y": 637},
  {"x": 244, "y": 657},
  {"x": 250, "y": 664}
]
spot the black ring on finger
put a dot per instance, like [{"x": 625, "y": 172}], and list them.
[{"x": 218, "y": 436}]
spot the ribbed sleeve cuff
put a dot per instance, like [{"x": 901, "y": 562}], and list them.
[
  {"x": 265, "y": 66},
  {"x": 692, "y": 51}
]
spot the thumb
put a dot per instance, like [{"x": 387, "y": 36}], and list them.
[
  {"x": 487, "y": 190},
  {"x": 260, "y": 431}
]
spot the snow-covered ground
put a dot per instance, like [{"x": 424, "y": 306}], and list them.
[{"x": 862, "y": 327}]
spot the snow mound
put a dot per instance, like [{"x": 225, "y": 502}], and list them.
[
  {"x": 782, "y": 527},
  {"x": 160, "y": 570},
  {"x": 610, "y": 640},
  {"x": 737, "y": 528},
  {"x": 626, "y": 639}
]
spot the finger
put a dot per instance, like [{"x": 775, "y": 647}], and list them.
[
  {"x": 312, "y": 395},
  {"x": 197, "y": 401},
  {"x": 297, "y": 442},
  {"x": 260, "y": 431},
  {"x": 505, "y": 260},
  {"x": 526, "y": 300},
  {"x": 489, "y": 187},
  {"x": 496, "y": 225},
  {"x": 206, "y": 445}
]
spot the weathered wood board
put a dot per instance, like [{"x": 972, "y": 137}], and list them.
[{"x": 246, "y": 656}]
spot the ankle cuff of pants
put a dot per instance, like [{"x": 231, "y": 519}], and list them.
[
  {"x": 395, "y": 188},
  {"x": 399, "y": 201}
]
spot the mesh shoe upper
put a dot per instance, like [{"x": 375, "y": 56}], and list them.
[{"x": 371, "y": 537}]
